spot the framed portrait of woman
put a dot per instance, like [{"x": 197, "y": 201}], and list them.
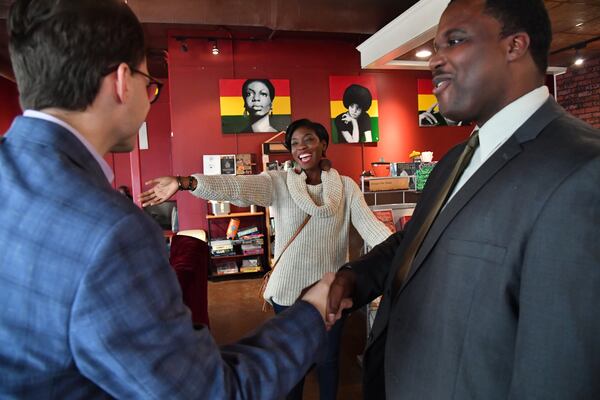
[
  {"x": 429, "y": 112},
  {"x": 354, "y": 109},
  {"x": 254, "y": 105}
]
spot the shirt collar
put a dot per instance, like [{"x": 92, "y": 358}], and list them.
[
  {"x": 505, "y": 122},
  {"x": 103, "y": 164}
]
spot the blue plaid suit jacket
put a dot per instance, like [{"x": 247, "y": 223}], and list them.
[{"x": 90, "y": 306}]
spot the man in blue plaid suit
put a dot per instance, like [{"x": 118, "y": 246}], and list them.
[{"x": 90, "y": 306}]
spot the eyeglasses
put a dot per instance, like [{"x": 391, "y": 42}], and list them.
[{"x": 153, "y": 86}]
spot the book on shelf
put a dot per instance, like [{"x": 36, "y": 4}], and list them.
[
  {"x": 247, "y": 238},
  {"x": 251, "y": 269},
  {"x": 251, "y": 262},
  {"x": 252, "y": 242},
  {"x": 387, "y": 217},
  {"x": 403, "y": 221},
  {"x": 221, "y": 247},
  {"x": 251, "y": 252},
  {"x": 221, "y": 243},
  {"x": 223, "y": 253},
  {"x": 228, "y": 165},
  {"x": 245, "y": 164},
  {"x": 251, "y": 265},
  {"x": 229, "y": 267},
  {"x": 247, "y": 231}
]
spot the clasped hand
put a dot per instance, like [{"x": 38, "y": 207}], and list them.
[{"x": 331, "y": 295}]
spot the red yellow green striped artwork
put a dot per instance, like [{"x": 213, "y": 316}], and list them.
[
  {"x": 429, "y": 112},
  {"x": 354, "y": 109},
  {"x": 254, "y": 105}
]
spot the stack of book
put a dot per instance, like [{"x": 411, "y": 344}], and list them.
[
  {"x": 229, "y": 267},
  {"x": 251, "y": 265},
  {"x": 221, "y": 247},
  {"x": 251, "y": 241},
  {"x": 253, "y": 246}
]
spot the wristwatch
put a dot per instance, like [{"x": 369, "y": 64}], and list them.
[{"x": 192, "y": 183}]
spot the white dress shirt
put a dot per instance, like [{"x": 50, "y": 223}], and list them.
[{"x": 499, "y": 128}]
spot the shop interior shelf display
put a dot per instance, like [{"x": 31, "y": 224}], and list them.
[{"x": 238, "y": 244}]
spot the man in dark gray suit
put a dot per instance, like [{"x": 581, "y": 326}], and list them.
[{"x": 501, "y": 297}]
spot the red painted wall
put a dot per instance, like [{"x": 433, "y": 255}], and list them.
[
  {"x": 579, "y": 91},
  {"x": 156, "y": 160},
  {"x": 194, "y": 82},
  {"x": 9, "y": 103}
]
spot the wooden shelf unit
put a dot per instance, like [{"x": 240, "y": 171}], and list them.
[{"x": 217, "y": 227}]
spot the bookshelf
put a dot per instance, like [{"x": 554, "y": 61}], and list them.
[{"x": 244, "y": 256}]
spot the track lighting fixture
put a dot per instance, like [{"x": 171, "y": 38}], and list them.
[
  {"x": 578, "y": 47},
  {"x": 214, "y": 48},
  {"x": 184, "y": 47},
  {"x": 579, "y": 60}
]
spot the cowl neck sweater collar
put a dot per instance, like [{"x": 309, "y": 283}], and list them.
[{"x": 332, "y": 193}]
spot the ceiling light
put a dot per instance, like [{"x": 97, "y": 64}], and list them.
[
  {"x": 214, "y": 50},
  {"x": 579, "y": 60},
  {"x": 423, "y": 53},
  {"x": 578, "y": 25}
]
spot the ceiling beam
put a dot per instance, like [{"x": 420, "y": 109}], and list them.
[{"x": 415, "y": 26}]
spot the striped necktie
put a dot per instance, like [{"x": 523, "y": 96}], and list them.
[{"x": 445, "y": 190}]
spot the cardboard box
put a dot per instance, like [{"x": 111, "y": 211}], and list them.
[{"x": 395, "y": 183}]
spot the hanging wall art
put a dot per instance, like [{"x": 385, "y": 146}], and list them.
[
  {"x": 254, "y": 105},
  {"x": 354, "y": 109}
]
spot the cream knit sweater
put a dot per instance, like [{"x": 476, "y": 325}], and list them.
[{"x": 322, "y": 245}]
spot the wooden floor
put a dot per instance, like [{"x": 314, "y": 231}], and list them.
[{"x": 235, "y": 309}]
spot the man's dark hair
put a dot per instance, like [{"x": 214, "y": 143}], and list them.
[
  {"x": 61, "y": 49},
  {"x": 357, "y": 94},
  {"x": 306, "y": 123},
  {"x": 265, "y": 82},
  {"x": 528, "y": 16}
]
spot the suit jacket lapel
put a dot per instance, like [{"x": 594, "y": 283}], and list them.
[{"x": 511, "y": 148}]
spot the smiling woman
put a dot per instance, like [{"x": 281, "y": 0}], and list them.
[{"x": 332, "y": 201}]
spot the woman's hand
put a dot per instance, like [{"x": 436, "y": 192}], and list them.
[
  {"x": 164, "y": 188},
  {"x": 347, "y": 118}
]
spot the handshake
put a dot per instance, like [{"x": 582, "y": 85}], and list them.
[{"x": 331, "y": 295}]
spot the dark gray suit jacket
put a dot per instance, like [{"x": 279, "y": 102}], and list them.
[{"x": 502, "y": 299}]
